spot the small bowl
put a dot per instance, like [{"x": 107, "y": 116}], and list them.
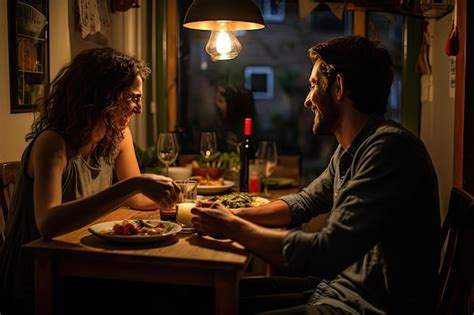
[
  {"x": 178, "y": 172},
  {"x": 212, "y": 172}
]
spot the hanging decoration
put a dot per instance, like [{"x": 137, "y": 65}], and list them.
[
  {"x": 123, "y": 5},
  {"x": 452, "y": 44},
  {"x": 305, "y": 7},
  {"x": 93, "y": 17}
]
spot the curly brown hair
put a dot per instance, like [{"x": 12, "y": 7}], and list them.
[{"x": 92, "y": 89}]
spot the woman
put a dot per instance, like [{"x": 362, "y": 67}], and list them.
[{"x": 78, "y": 139}]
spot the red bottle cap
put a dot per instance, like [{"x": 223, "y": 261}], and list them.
[{"x": 248, "y": 126}]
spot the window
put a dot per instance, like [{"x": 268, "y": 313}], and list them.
[
  {"x": 259, "y": 80},
  {"x": 387, "y": 28},
  {"x": 272, "y": 10},
  {"x": 278, "y": 52}
]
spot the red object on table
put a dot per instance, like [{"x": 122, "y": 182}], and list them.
[{"x": 254, "y": 183}]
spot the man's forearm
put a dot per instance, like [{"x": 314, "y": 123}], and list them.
[
  {"x": 276, "y": 213},
  {"x": 264, "y": 242}
]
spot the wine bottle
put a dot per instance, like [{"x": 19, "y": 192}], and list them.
[{"x": 247, "y": 156}]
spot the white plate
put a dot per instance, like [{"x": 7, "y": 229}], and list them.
[
  {"x": 259, "y": 201},
  {"x": 97, "y": 228},
  {"x": 209, "y": 190}
]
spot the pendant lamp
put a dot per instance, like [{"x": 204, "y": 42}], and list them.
[{"x": 222, "y": 18}]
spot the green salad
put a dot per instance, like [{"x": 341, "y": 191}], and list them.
[{"x": 234, "y": 200}]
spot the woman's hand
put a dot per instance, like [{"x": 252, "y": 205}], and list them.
[
  {"x": 159, "y": 188},
  {"x": 215, "y": 220}
]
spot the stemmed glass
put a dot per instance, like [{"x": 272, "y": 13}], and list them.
[
  {"x": 167, "y": 149},
  {"x": 267, "y": 161},
  {"x": 208, "y": 145}
]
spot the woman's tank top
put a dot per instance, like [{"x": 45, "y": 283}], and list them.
[{"x": 80, "y": 180}]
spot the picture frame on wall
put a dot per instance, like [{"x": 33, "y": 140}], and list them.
[{"x": 28, "y": 30}]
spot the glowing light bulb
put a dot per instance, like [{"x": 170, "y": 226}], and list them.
[{"x": 223, "y": 45}]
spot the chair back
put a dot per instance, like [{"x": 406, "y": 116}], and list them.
[
  {"x": 8, "y": 172},
  {"x": 456, "y": 276}
]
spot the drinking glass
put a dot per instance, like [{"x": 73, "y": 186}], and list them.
[
  {"x": 267, "y": 161},
  {"x": 167, "y": 149},
  {"x": 208, "y": 145},
  {"x": 186, "y": 201}
]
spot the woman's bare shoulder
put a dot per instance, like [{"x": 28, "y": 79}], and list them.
[
  {"x": 50, "y": 138},
  {"x": 50, "y": 144},
  {"x": 127, "y": 139},
  {"x": 49, "y": 148}
]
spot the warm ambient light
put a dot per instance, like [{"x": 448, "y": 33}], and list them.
[
  {"x": 223, "y": 45},
  {"x": 222, "y": 18}
]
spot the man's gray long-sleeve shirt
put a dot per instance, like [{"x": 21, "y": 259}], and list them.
[{"x": 379, "y": 252}]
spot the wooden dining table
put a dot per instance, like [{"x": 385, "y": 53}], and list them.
[{"x": 187, "y": 259}]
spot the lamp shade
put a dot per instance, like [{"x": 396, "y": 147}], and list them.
[{"x": 236, "y": 14}]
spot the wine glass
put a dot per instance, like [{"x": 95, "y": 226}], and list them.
[
  {"x": 167, "y": 149},
  {"x": 208, "y": 145},
  {"x": 267, "y": 161}
]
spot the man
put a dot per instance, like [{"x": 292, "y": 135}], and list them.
[{"x": 379, "y": 252}]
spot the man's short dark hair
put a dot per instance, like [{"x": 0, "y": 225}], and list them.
[{"x": 366, "y": 67}]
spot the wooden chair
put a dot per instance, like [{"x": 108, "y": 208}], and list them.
[
  {"x": 7, "y": 178},
  {"x": 456, "y": 276}
]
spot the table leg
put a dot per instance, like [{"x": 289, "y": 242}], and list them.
[
  {"x": 227, "y": 293},
  {"x": 44, "y": 285}
]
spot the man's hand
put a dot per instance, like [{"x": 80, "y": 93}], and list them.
[
  {"x": 215, "y": 220},
  {"x": 221, "y": 223}
]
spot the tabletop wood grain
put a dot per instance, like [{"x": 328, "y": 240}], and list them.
[{"x": 186, "y": 249}]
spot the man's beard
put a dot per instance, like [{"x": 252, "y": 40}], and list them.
[{"x": 326, "y": 116}]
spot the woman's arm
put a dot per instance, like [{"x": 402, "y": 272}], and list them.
[
  {"x": 126, "y": 166},
  {"x": 47, "y": 163}
]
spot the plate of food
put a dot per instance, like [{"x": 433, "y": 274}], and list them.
[
  {"x": 135, "y": 231},
  {"x": 208, "y": 186},
  {"x": 237, "y": 200},
  {"x": 280, "y": 182}
]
